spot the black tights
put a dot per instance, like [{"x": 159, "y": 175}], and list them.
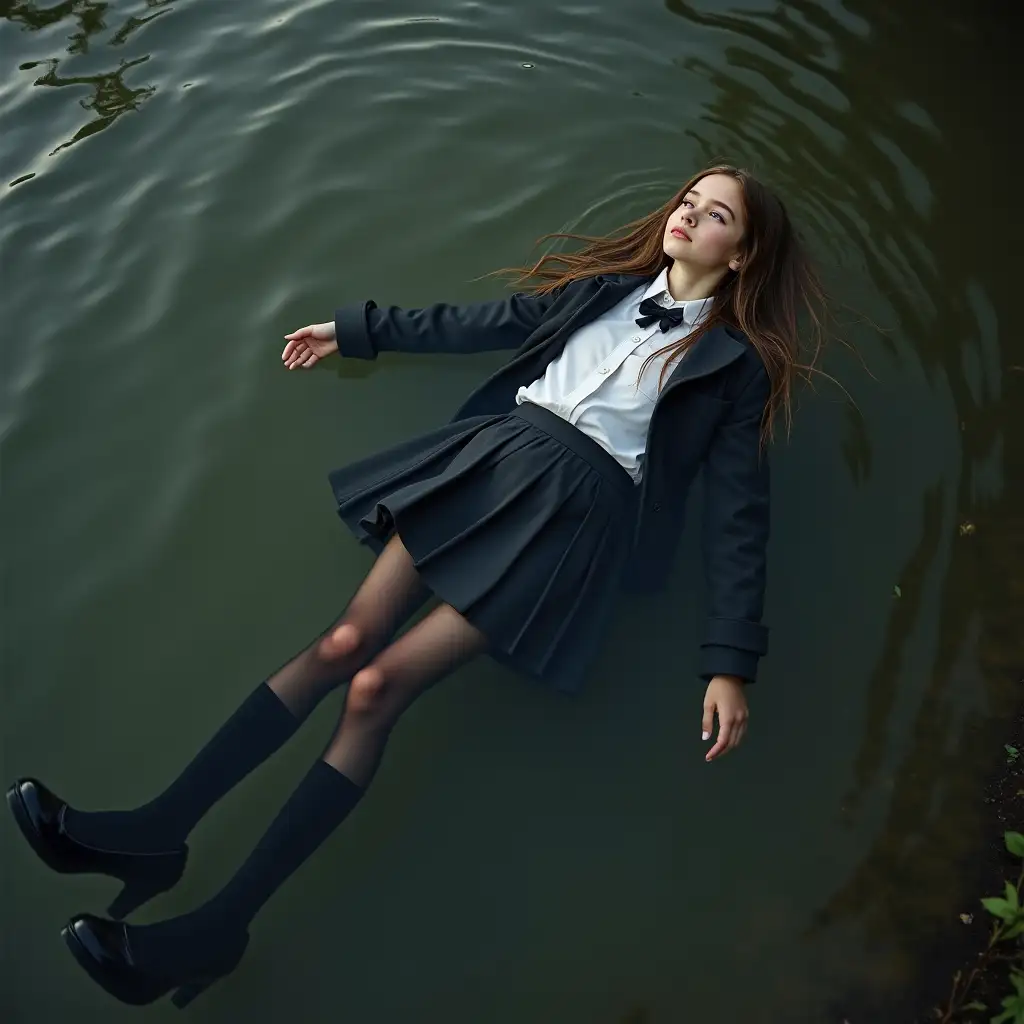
[
  {"x": 386, "y": 674},
  {"x": 386, "y": 677}
]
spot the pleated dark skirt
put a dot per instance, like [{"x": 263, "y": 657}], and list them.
[{"x": 520, "y": 522}]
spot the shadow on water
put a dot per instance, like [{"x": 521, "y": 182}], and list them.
[
  {"x": 111, "y": 95},
  {"x": 879, "y": 140}
]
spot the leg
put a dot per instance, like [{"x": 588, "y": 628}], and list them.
[
  {"x": 390, "y": 594},
  {"x": 185, "y": 948},
  {"x": 379, "y": 694},
  {"x": 267, "y": 718},
  {"x": 384, "y": 688}
]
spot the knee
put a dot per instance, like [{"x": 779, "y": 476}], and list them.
[
  {"x": 341, "y": 643},
  {"x": 369, "y": 694}
]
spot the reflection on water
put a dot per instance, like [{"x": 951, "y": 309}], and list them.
[
  {"x": 87, "y": 13},
  {"x": 110, "y": 99},
  {"x": 111, "y": 95}
]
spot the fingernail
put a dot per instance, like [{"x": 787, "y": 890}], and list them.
[{"x": 705, "y": 735}]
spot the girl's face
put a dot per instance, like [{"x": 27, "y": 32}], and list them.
[{"x": 709, "y": 223}]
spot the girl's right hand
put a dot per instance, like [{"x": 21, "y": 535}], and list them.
[{"x": 308, "y": 345}]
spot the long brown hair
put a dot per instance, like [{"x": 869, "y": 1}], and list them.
[{"x": 775, "y": 282}]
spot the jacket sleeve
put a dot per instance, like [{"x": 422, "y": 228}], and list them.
[
  {"x": 365, "y": 330},
  {"x": 735, "y": 538}
]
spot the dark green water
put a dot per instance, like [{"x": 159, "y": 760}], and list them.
[{"x": 191, "y": 180}]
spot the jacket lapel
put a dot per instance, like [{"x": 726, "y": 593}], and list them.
[
  {"x": 714, "y": 350},
  {"x": 609, "y": 291}
]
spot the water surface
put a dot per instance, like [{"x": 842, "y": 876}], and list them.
[{"x": 185, "y": 182}]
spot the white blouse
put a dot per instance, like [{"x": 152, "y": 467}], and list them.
[{"x": 592, "y": 383}]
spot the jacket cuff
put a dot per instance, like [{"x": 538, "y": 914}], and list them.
[
  {"x": 727, "y": 661},
  {"x": 352, "y": 331},
  {"x": 741, "y": 633}
]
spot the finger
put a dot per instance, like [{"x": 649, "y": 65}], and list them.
[
  {"x": 309, "y": 360},
  {"x": 288, "y": 350},
  {"x": 302, "y": 332},
  {"x": 296, "y": 346},
  {"x": 724, "y": 733},
  {"x": 708, "y": 722},
  {"x": 298, "y": 354},
  {"x": 739, "y": 731}
]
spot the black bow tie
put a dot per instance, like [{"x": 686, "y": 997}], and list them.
[{"x": 652, "y": 311}]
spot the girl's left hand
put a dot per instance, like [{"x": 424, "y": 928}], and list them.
[{"x": 725, "y": 696}]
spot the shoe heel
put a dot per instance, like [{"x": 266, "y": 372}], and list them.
[
  {"x": 143, "y": 887},
  {"x": 184, "y": 995},
  {"x": 131, "y": 897}
]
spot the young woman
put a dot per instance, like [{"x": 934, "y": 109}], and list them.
[{"x": 559, "y": 483}]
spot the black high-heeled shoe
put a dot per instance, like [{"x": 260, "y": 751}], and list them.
[
  {"x": 40, "y": 816},
  {"x": 103, "y": 948}
]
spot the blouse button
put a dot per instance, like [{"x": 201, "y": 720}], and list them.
[
  {"x": 656, "y": 507},
  {"x": 603, "y": 369}
]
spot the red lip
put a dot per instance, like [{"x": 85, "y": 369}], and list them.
[{"x": 680, "y": 231}]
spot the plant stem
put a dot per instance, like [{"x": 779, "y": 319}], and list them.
[{"x": 989, "y": 953}]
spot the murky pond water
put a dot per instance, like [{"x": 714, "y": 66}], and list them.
[{"x": 186, "y": 181}]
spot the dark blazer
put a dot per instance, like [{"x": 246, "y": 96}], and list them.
[{"x": 708, "y": 414}]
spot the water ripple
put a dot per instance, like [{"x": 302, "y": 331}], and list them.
[{"x": 110, "y": 94}]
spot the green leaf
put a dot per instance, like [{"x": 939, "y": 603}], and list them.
[
  {"x": 975, "y": 1006},
  {"x": 896, "y": 590},
  {"x": 999, "y": 908},
  {"x": 1013, "y": 1009},
  {"x": 1011, "y": 895},
  {"x": 1015, "y": 843},
  {"x": 1017, "y": 928}
]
